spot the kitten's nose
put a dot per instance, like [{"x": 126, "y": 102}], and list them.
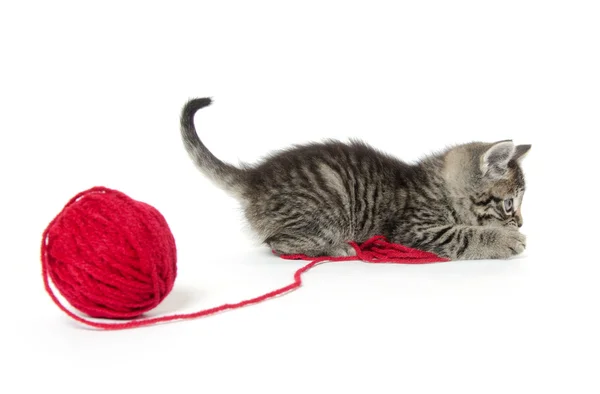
[{"x": 519, "y": 221}]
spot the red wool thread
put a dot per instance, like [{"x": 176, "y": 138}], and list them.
[{"x": 113, "y": 257}]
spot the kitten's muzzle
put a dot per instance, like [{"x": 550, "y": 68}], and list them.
[{"x": 519, "y": 219}]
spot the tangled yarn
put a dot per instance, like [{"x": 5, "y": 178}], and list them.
[{"x": 113, "y": 257}]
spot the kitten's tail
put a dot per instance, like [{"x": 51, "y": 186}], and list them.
[{"x": 224, "y": 175}]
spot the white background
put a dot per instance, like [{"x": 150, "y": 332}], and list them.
[{"x": 90, "y": 95}]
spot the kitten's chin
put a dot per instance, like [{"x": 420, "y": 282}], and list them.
[{"x": 509, "y": 224}]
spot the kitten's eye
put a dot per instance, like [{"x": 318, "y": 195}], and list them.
[{"x": 508, "y": 205}]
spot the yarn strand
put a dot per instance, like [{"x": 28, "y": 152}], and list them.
[{"x": 375, "y": 250}]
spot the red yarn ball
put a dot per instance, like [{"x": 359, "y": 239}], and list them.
[{"x": 108, "y": 255}]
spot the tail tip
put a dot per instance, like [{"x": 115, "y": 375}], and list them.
[
  {"x": 199, "y": 102},
  {"x": 194, "y": 105}
]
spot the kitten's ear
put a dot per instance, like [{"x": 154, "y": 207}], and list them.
[
  {"x": 521, "y": 151},
  {"x": 494, "y": 161}
]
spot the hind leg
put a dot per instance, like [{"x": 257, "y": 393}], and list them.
[{"x": 309, "y": 245}]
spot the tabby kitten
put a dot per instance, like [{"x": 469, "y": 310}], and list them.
[{"x": 463, "y": 203}]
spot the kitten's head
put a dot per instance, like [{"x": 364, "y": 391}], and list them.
[{"x": 489, "y": 178}]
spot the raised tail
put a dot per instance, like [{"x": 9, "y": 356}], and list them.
[{"x": 226, "y": 176}]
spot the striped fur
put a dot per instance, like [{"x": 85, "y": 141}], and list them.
[{"x": 314, "y": 198}]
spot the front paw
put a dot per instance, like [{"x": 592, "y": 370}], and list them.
[{"x": 510, "y": 242}]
